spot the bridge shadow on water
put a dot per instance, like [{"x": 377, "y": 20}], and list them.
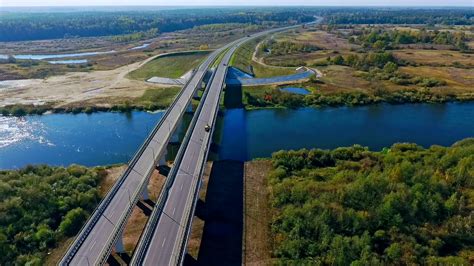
[
  {"x": 222, "y": 212},
  {"x": 233, "y": 96}
]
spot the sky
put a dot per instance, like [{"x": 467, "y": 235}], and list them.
[{"x": 8, "y": 3}]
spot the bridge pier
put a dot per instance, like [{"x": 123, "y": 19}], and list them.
[
  {"x": 175, "y": 137},
  {"x": 162, "y": 160},
  {"x": 189, "y": 109},
  {"x": 145, "y": 195},
  {"x": 119, "y": 247}
]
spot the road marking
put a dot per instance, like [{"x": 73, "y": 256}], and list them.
[
  {"x": 92, "y": 246},
  {"x": 174, "y": 209},
  {"x": 181, "y": 186},
  {"x": 163, "y": 244}
]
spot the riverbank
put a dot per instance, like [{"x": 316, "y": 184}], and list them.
[
  {"x": 256, "y": 97},
  {"x": 253, "y": 98},
  {"x": 152, "y": 100}
]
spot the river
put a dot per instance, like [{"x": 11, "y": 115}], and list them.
[{"x": 106, "y": 138}]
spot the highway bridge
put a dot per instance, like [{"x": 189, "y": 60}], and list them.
[
  {"x": 165, "y": 237},
  {"x": 166, "y": 234},
  {"x": 104, "y": 228}
]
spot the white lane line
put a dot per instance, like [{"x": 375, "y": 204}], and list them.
[
  {"x": 174, "y": 209},
  {"x": 181, "y": 186},
  {"x": 92, "y": 246},
  {"x": 163, "y": 244}
]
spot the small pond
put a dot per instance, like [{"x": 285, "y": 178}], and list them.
[{"x": 296, "y": 90}]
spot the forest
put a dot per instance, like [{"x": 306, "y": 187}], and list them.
[
  {"x": 42, "y": 205},
  {"x": 273, "y": 47},
  {"x": 22, "y": 26},
  {"x": 399, "y": 15},
  {"x": 404, "y": 205},
  {"x": 15, "y": 26},
  {"x": 387, "y": 39}
]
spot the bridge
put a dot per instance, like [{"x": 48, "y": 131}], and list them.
[
  {"x": 104, "y": 228},
  {"x": 165, "y": 237}
]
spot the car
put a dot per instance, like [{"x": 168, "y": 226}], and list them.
[{"x": 207, "y": 128}]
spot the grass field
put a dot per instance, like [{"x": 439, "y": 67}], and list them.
[
  {"x": 319, "y": 38},
  {"x": 242, "y": 59},
  {"x": 457, "y": 79},
  {"x": 169, "y": 66},
  {"x": 158, "y": 98},
  {"x": 435, "y": 57}
]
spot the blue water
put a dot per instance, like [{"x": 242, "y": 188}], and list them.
[
  {"x": 105, "y": 138},
  {"x": 62, "y": 139},
  {"x": 254, "y": 134},
  {"x": 236, "y": 80},
  {"x": 53, "y": 56},
  {"x": 79, "y": 61},
  {"x": 145, "y": 45},
  {"x": 295, "y": 90}
]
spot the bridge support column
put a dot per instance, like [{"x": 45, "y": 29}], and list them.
[
  {"x": 119, "y": 247},
  {"x": 189, "y": 109},
  {"x": 145, "y": 195},
  {"x": 175, "y": 136},
  {"x": 163, "y": 159}
]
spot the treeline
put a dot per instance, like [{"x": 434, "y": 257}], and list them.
[
  {"x": 42, "y": 205},
  {"x": 405, "y": 205},
  {"x": 285, "y": 47},
  {"x": 431, "y": 16},
  {"x": 36, "y": 26},
  {"x": 136, "y": 36},
  {"x": 388, "y": 39},
  {"x": 277, "y": 98}
]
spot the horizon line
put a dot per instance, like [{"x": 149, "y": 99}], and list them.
[{"x": 236, "y": 5}]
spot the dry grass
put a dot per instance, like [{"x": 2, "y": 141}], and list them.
[
  {"x": 321, "y": 39},
  {"x": 435, "y": 57},
  {"x": 457, "y": 79},
  {"x": 257, "y": 215},
  {"x": 113, "y": 174},
  {"x": 56, "y": 254},
  {"x": 341, "y": 79}
]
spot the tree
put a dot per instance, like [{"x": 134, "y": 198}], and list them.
[
  {"x": 73, "y": 221},
  {"x": 379, "y": 45},
  {"x": 390, "y": 68},
  {"x": 338, "y": 60}
]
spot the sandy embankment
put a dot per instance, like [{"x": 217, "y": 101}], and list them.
[{"x": 100, "y": 88}]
